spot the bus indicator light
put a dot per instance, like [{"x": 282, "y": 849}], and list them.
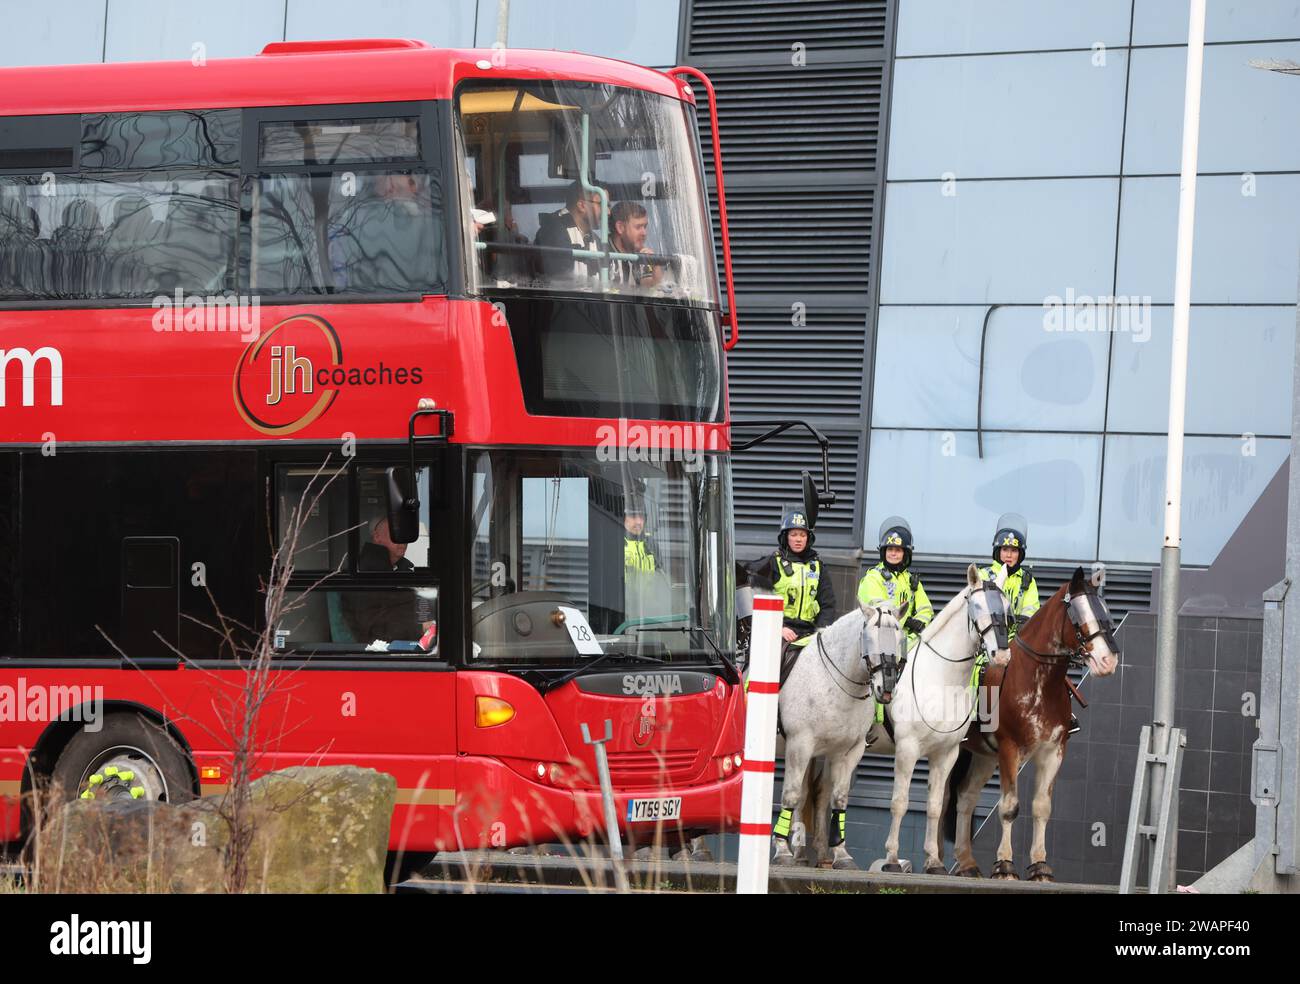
[{"x": 489, "y": 712}]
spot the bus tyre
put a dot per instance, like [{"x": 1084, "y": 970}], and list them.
[{"x": 129, "y": 758}]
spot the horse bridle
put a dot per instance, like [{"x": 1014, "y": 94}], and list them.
[
  {"x": 995, "y": 606},
  {"x": 1081, "y": 609},
  {"x": 835, "y": 671},
  {"x": 866, "y": 655}
]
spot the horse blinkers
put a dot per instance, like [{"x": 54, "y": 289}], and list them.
[
  {"x": 881, "y": 652},
  {"x": 992, "y": 602},
  {"x": 1087, "y": 610}
]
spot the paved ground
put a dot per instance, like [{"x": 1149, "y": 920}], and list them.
[{"x": 495, "y": 871}]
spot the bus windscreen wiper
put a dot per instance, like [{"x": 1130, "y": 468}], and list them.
[
  {"x": 730, "y": 672},
  {"x": 574, "y": 674}
]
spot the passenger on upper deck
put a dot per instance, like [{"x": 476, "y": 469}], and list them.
[
  {"x": 629, "y": 225},
  {"x": 573, "y": 226},
  {"x": 383, "y": 238}
]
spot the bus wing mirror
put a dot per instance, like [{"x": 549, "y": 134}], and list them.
[
  {"x": 811, "y": 500},
  {"x": 403, "y": 506}
]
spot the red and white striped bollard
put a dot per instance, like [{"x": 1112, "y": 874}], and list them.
[{"x": 760, "y": 746}]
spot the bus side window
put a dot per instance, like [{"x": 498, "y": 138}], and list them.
[{"x": 339, "y": 603}]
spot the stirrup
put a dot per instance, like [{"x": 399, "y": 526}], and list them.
[{"x": 1075, "y": 727}]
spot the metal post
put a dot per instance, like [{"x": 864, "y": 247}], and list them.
[
  {"x": 761, "y": 697},
  {"x": 503, "y": 23},
  {"x": 607, "y": 797},
  {"x": 1170, "y": 555}
]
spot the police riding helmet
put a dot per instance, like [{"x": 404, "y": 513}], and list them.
[
  {"x": 1011, "y": 533},
  {"x": 895, "y": 532},
  {"x": 794, "y": 519}
]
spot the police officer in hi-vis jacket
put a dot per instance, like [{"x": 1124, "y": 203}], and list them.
[
  {"x": 890, "y": 582},
  {"x": 1010, "y": 543},
  {"x": 797, "y": 574}
]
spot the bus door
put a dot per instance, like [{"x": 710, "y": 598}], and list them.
[{"x": 364, "y": 624}]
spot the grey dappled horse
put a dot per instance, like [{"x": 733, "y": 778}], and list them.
[{"x": 826, "y": 707}]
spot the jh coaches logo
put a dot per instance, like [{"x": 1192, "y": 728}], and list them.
[{"x": 277, "y": 391}]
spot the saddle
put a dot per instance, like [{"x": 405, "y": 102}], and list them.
[{"x": 790, "y": 656}]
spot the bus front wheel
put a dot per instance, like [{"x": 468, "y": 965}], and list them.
[{"x": 129, "y": 758}]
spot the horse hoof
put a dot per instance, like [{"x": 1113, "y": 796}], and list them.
[
  {"x": 892, "y": 867},
  {"x": 1005, "y": 871},
  {"x": 935, "y": 869},
  {"x": 972, "y": 872},
  {"x": 1039, "y": 871},
  {"x": 845, "y": 864}
]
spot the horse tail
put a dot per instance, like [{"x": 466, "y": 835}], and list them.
[
  {"x": 815, "y": 792},
  {"x": 960, "y": 768}
]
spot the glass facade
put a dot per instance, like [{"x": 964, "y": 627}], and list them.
[
  {"x": 81, "y": 31},
  {"x": 1033, "y": 167}
]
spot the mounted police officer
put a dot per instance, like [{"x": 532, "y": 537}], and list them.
[
  {"x": 797, "y": 574},
  {"x": 891, "y": 583},
  {"x": 1009, "y": 545}
]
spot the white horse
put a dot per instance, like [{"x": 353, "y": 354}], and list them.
[
  {"x": 934, "y": 703},
  {"x": 826, "y": 708}
]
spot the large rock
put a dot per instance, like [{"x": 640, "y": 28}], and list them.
[
  {"x": 315, "y": 830},
  {"x": 322, "y": 830},
  {"x": 134, "y": 846}
]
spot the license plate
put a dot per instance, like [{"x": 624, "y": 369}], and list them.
[{"x": 651, "y": 810}]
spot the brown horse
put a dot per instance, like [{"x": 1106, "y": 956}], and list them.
[{"x": 1031, "y": 717}]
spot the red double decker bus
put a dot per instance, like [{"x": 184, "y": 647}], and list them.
[{"x": 459, "y": 309}]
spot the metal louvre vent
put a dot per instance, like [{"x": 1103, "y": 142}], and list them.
[
  {"x": 827, "y": 118},
  {"x": 719, "y": 27},
  {"x": 801, "y": 241},
  {"x": 758, "y": 371},
  {"x": 802, "y": 92},
  {"x": 769, "y": 478}
]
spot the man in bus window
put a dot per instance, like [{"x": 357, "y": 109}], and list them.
[
  {"x": 390, "y": 614},
  {"x": 629, "y": 225},
  {"x": 573, "y": 227},
  {"x": 381, "y": 553}
]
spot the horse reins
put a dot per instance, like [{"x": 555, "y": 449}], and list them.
[
  {"x": 829, "y": 663},
  {"x": 974, "y": 696}
]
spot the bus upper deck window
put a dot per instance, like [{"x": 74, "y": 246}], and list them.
[
  {"x": 591, "y": 188},
  {"x": 354, "y": 141}
]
